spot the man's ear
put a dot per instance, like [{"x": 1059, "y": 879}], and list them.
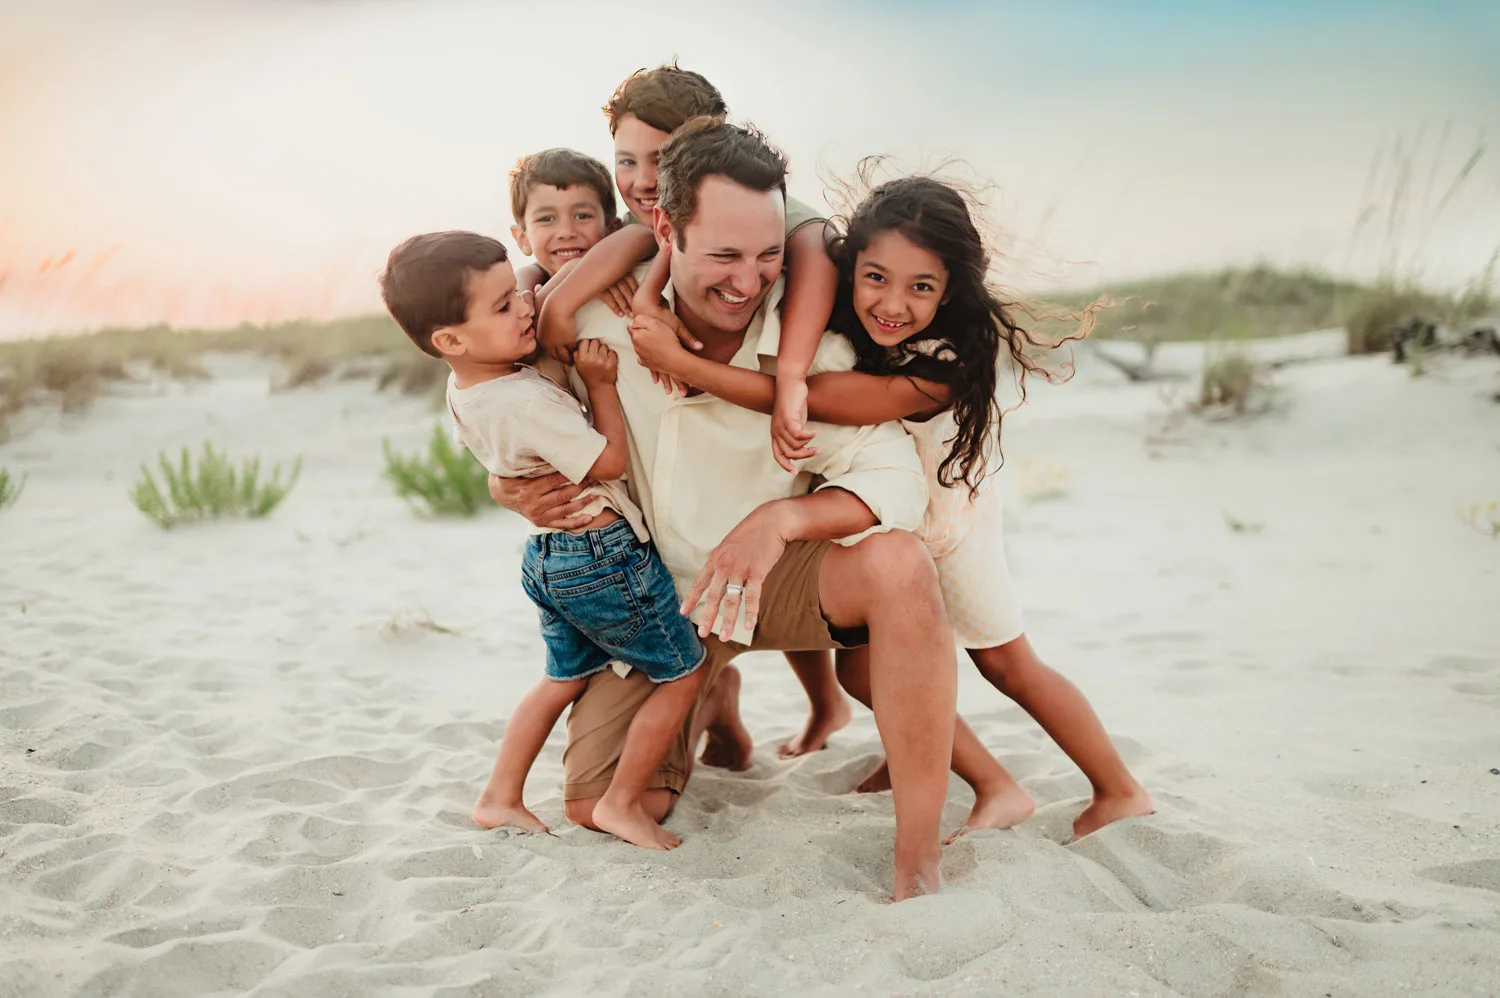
[
  {"x": 447, "y": 342},
  {"x": 518, "y": 233},
  {"x": 662, "y": 226}
]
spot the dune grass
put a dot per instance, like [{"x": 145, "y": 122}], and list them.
[
  {"x": 72, "y": 371},
  {"x": 10, "y": 488},
  {"x": 208, "y": 488},
  {"x": 446, "y": 480}
]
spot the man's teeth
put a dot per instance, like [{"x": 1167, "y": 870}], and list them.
[{"x": 731, "y": 299}]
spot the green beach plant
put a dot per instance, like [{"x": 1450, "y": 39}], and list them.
[
  {"x": 209, "y": 487},
  {"x": 447, "y": 480},
  {"x": 10, "y": 488}
]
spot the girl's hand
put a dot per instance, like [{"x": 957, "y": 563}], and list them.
[{"x": 790, "y": 438}]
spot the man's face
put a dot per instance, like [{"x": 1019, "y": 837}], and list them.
[
  {"x": 561, "y": 223},
  {"x": 730, "y": 253},
  {"x": 497, "y": 328},
  {"x": 637, "y": 148}
]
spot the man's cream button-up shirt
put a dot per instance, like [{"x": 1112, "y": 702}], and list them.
[{"x": 700, "y": 465}]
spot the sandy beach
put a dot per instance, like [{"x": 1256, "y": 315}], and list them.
[{"x": 239, "y": 758}]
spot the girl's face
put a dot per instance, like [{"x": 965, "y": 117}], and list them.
[{"x": 898, "y": 287}]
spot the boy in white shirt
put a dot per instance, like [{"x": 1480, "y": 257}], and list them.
[{"x": 601, "y": 591}]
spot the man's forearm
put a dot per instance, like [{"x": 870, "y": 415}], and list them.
[{"x": 825, "y": 515}]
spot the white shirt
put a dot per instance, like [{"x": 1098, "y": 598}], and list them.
[{"x": 700, "y": 465}]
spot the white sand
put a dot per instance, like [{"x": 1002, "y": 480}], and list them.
[{"x": 232, "y": 758}]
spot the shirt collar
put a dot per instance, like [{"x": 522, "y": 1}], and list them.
[{"x": 764, "y": 332}]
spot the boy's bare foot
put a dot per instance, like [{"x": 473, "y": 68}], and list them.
[
  {"x": 729, "y": 744},
  {"x": 1003, "y": 806},
  {"x": 492, "y": 814},
  {"x": 878, "y": 781},
  {"x": 633, "y": 825},
  {"x": 1110, "y": 808},
  {"x": 822, "y": 722}
]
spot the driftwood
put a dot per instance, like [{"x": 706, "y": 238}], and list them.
[
  {"x": 1426, "y": 336},
  {"x": 1143, "y": 370}
]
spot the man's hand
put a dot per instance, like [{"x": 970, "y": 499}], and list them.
[
  {"x": 548, "y": 501},
  {"x": 597, "y": 364},
  {"x": 557, "y": 332},
  {"x": 790, "y": 438},
  {"x": 743, "y": 558},
  {"x": 619, "y": 297}
]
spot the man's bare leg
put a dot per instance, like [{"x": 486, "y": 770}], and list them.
[
  {"x": 527, "y": 730},
  {"x": 1065, "y": 714},
  {"x": 999, "y": 801},
  {"x": 887, "y": 583},
  {"x": 660, "y": 719},
  {"x": 828, "y": 711}
]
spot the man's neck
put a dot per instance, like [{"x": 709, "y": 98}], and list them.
[{"x": 718, "y": 345}]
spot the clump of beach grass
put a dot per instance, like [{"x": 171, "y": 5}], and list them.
[
  {"x": 1483, "y": 518},
  {"x": 1234, "y": 383},
  {"x": 11, "y": 488},
  {"x": 445, "y": 480},
  {"x": 209, "y": 487}
]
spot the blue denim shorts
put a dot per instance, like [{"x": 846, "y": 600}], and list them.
[{"x": 603, "y": 595}]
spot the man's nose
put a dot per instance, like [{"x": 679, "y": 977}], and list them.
[{"x": 745, "y": 278}]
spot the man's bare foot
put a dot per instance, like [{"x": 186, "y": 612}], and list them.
[
  {"x": 633, "y": 825},
  {"x": 919, "y": 877},
  {"x": 821, "y": 723},
  {"x": 1106, "y": 809},
  {"x": 1002, "y": 806},
  {"x": 729, "y": 744},
  {"x": 492, "y": 814},
  {"x": 878, "y": 781}
]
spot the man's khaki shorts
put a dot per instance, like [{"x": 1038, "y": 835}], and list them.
[{"x": 790, "y": 620}]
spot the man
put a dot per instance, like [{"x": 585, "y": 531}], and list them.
[{"x": 833, "y": 568}]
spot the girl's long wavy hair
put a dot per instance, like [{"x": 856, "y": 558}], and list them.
[{"x": 961, "y": 347}]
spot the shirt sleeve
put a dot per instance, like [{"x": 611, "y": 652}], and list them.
[
  {"x": 879, "y": 464},
  {"x": 800, "y": 213},
  {"x": 561, "y": 435}
]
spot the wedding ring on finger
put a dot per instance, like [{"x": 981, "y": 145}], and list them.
[{"x": 734, "y": 589}]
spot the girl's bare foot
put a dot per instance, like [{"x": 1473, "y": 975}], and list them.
[
  {"x": 1107, "y": 808},
  {"x": 820, "y": 726},
  {"x": 1003, "y": 806},
  {"x": 493, "y": 814},
  {"x": 878, "y": 781},
  {"x": 633, "y": 825}
]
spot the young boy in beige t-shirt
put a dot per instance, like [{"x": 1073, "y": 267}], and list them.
[{"x": 602, "y": 593}]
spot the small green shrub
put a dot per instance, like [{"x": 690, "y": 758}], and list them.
[
  {"x": 1485, "y": 519},
  {"x": 1233, "y": 382},
  {"x": 447, "y": 480},
  {"x": 10, "y": 488},
  {"x": 211, "y": 488}
]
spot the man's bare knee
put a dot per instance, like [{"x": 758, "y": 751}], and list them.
[
  {"x": 581, "y": 812},
  {"x": 897, "y": 563}
]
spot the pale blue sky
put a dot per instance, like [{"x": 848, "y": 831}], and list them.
[{"x": 212, "y": 161}]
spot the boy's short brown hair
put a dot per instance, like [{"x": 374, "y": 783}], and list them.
[
  {"x": 664, "y": 98},
  {"x": 709, "y": 147},
  {"x": 559, "y": 168},
  {"x": 426, "y": 281}
]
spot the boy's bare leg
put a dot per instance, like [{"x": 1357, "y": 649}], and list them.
[
  {"x": 1064, "y": 713},
  {"x": 999, "y": 801},
  {"x": 719, "y": 717},
  {"x": 828, "y": 711},
  {"x": 621, "y": 811},
  {"x": 887, "y": 583},
  {"x": 533, "y": 720}
]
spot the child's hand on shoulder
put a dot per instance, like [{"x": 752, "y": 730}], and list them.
[
  {"x": 620, "y": 296},
  {"x": 790, "y": 438},
  {"x": 597, "y": 364}
]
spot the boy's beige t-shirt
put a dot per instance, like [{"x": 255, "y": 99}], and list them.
[{"x": 524, "y": 425}]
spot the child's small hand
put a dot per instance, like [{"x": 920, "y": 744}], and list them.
[
  {"x": 619, "y": 297},
  {"x": 790, "y": 438},
  {"x": 658, "y": 347},
  {"x": 557, "y": 333},
  {"x": 597, "y": 364}
]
